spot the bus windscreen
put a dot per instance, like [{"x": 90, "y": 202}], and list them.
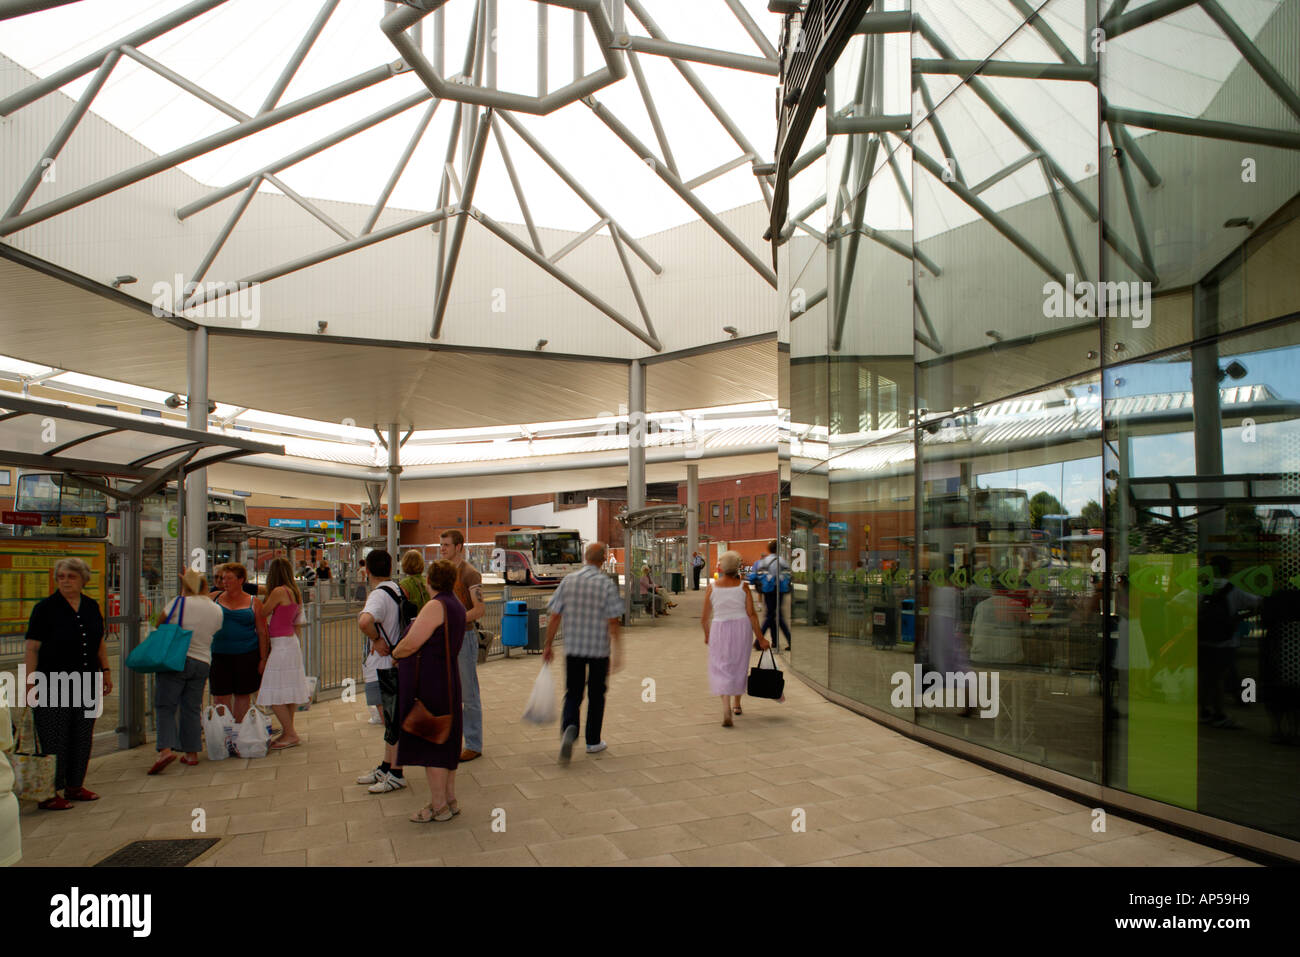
[{"x": 559, "y": 548}]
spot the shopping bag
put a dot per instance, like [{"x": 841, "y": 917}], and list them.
[
  {"x": 254, "y": 735},
  {"x": 218, "y": 731},
  {"x": 766, "y": 681},
  {"x": 33, "y": 771},
  {"x": 166, "y": 647},
  {"x": 312, "y": 684},
  {"x": 541, "y": 703}
]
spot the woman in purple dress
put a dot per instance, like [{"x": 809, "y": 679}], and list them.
[
  {"x": 432, "y": 642},
  {"x": 730, "y": 629}
]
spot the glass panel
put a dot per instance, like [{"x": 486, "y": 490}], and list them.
[
  {"x": 1004, "y": 208},
  {"x": 1206, "y": 685},
  {"x": 1009, "y": 597}
]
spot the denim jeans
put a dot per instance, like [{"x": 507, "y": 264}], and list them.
[
  {"x": 775, "y": 614},
  {"x": 178, "y": 702},
  {"x": 468, "y": 662}
]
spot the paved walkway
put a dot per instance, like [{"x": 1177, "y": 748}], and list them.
[{"x": 674, "y": 787}]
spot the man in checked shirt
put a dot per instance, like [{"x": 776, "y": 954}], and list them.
[{"x": 592, "y": 610}]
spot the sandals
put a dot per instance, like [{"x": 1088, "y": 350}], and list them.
[
  {"x": 190, "y": 764},
  {"x": 427, "y": 814},
  {"x": 162, "y": 763},
  {"x": 736, "y": 710},
  {"x": 281, "y": 745}
]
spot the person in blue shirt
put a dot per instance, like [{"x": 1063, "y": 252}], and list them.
[{"x": 771, "y": 575}]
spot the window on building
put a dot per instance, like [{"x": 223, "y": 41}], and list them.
[
  {"x": 713, "y": 511},
  {"x": 760, "y": 507},
  {"x": 727, "y": 511},
  {"x": 744, "y": 509}
]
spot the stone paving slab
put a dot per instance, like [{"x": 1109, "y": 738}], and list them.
[{"x": 674, "y": 788}]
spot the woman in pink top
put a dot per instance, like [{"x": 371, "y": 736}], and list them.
[{"x": 284, "y": 679}]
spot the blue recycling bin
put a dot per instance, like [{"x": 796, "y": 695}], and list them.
[
  {"x": 514, "y": 624},
  {"x": 907, "y": 621}
]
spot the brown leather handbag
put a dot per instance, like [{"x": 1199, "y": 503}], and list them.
[{"x": 420, "y": 721}]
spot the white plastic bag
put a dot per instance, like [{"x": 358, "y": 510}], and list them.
[
  {"x": 312, "y": 684},
  {"x": 541, "y": 703},
  {"x": 218, "y": 730},
  {"x": 253, "y": 737}
]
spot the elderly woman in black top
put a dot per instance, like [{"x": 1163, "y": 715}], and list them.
[{"x": 65, "y": 644}]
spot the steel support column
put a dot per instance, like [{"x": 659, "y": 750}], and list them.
[
  {"x": 196, "y": 482},
  {"x": 636, "y": 435},
  {"x": 692, "y": 513},
  {"x": 394, "y": 492},
  {"x": 130, "y": 684}
]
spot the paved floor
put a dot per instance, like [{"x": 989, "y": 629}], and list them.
[{"x": 674, "y": 787}]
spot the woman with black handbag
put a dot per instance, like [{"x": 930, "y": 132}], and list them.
[
  {"x": 429, "y": 693},
  {"x": 730, "y": 624}
]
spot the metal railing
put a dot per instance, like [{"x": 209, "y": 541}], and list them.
[{"x": 335, "y": 648}]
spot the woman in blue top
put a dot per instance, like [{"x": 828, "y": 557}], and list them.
[{"x": 240, "y": 648}]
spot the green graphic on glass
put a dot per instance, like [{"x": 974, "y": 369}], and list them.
[{"x": 1162, "y": 726}]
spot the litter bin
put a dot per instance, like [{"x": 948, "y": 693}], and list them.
[
  {"x": 907, "y": 622},
  {"x": 536, "y": 628},
  {"x": 515, "y": 625},
  {"x": 883, "y": 624},
  {"x": 678, "y": 583}
]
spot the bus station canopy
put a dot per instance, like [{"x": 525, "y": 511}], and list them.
[
  {"x": 227, "y": 532},
  {"x": 49, "y": 436}
]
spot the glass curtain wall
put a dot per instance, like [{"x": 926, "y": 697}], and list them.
[{"x": 1043, "y": 301}]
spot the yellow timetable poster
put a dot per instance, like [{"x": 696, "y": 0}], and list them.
[{"x": 27, "y": 576}]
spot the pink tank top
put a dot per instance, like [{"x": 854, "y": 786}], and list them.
[{"x": 282, "y": 619}]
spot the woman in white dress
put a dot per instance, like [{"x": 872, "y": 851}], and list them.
[
  {"x": 284, "y": 679},
  {"x": 730, "y": 630}
]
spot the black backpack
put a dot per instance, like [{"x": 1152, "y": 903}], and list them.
[{"x": 406, "y": 612}]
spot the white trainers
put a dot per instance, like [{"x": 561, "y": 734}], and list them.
[
  {"x": 596, "y": 748},
  {"x": 389, "y": 782},
  {"x": 375, "y": 716},
  {"x": 371, "y": 777}
]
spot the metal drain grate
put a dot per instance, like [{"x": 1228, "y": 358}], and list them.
[{"x": 176, "y": 853}]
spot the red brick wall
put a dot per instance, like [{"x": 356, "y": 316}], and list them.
[
  {"x": 523, "y": 501},
  {"x": 736, "y": 490}
]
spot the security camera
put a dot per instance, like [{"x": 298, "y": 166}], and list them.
[
  {"x": 173, "y": 401},
  {"x": 322, "y": 325}
]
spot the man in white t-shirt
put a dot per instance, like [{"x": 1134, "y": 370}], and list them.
[{"x": 380, "y": 621}]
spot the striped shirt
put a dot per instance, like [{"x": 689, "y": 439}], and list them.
[{"x": 587, "y": 599}]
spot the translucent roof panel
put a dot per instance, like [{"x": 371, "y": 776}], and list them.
[{"x": 236, "y": 51}]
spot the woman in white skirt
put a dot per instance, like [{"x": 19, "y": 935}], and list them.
[
  {"x": 730, "y": 630},
  {"x": 284, "y": 679}
]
